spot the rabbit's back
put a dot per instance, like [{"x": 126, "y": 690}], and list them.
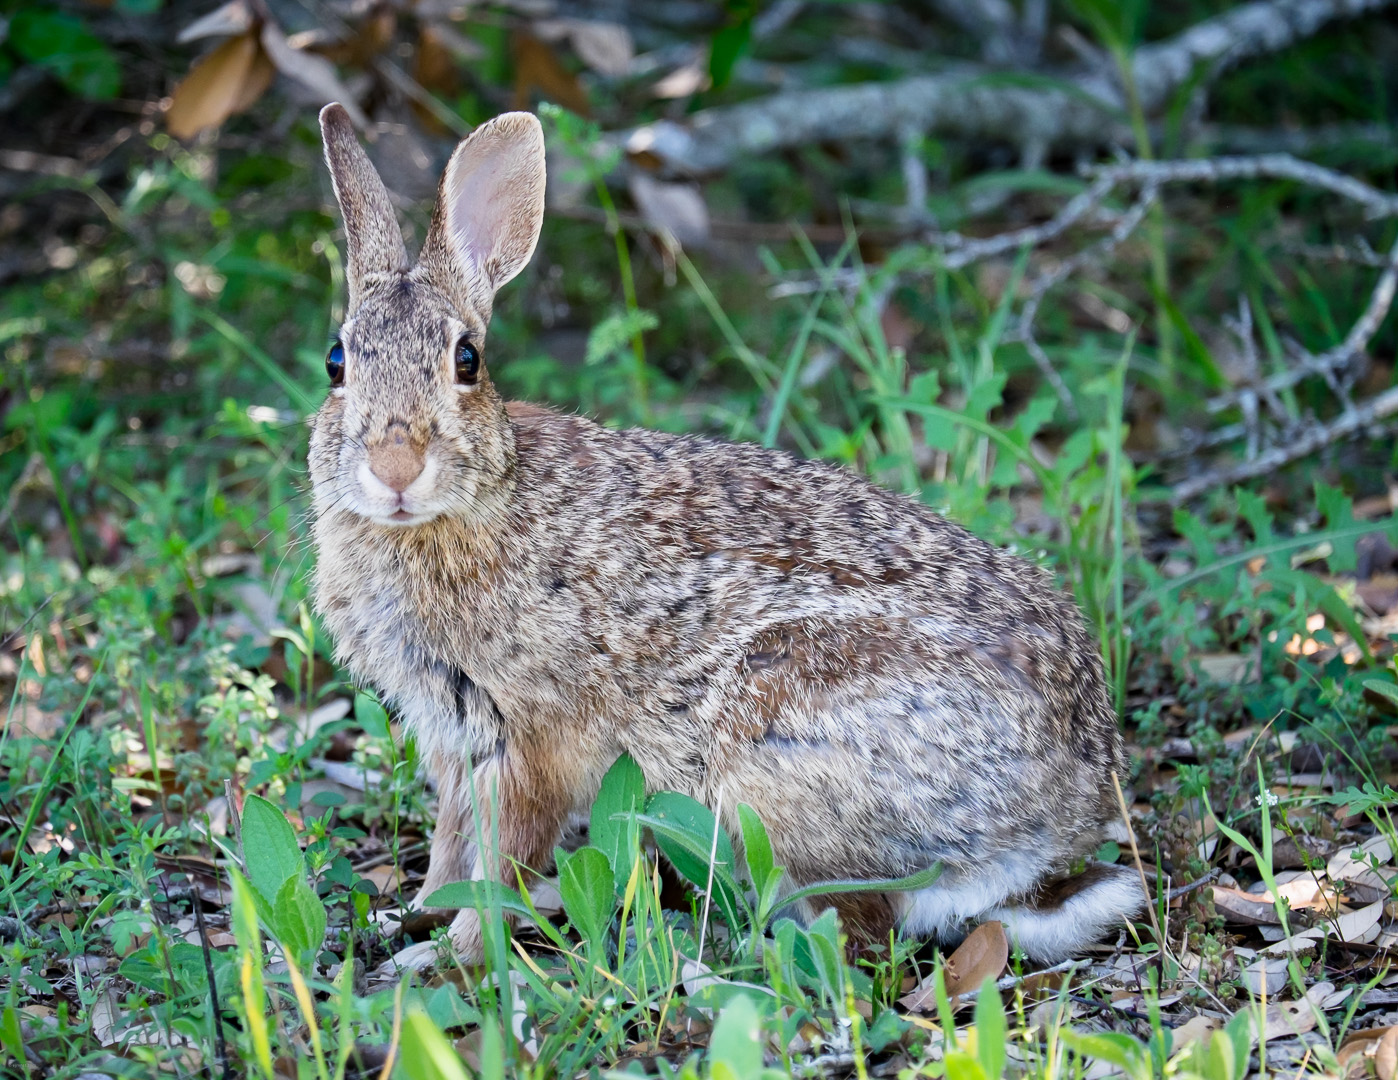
[{"x": 765, "y": 616}]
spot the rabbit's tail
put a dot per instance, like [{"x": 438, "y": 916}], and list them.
[{"x": 1057, "y": 918}]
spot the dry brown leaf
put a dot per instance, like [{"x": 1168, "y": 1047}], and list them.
[
  {"x": 1344, "y": 865},
  {"x": 1359, "y": 1045},
  {"x": 226, "y": 81},
  {"x": 1360, "y": 926},
  {"x": 1197, "y": 1029},
  {"x": 677, "y": 209},
  {"x": 1226, "y": 668},
  {"x": 983, "y": 955},
  {"x": 604, "y": 47},
  {"x": 1243, "y": 908},
  {"x": 1386, "y": 1056},
  {"x": 537, "y": 67},
  {"x": 234, "y": 17},
  {"x": 315, "y": 73},
  {"x": 1287, "y": 1018},
  {"x": 683, "y": 82}
]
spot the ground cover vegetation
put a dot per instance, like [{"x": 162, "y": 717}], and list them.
[{"x": 1106, "y": 282}]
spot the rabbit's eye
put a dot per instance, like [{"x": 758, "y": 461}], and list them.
[
  {"x": 335, "y": 364},
  {"x": 468, "y": 362}
]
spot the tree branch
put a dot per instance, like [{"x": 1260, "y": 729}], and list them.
[{"x": 1085, "y": 108}]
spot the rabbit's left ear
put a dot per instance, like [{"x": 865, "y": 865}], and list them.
[
  {"x": 490, "y": 207},
  {"x": 373, "y": 241}
]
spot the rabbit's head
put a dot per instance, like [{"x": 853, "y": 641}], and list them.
[{"x": 412, "y": 427}]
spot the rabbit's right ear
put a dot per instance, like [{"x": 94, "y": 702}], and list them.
[
  {"x": 372, "y": 238},
  {"x": 489, "y": 209}
]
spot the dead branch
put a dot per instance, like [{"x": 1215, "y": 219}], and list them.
[
  {"x": 1085, "y": 108},
  {"x": 1297, "y": 445}
]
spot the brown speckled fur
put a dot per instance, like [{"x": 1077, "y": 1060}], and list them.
[{"x": 884, "y": 688}]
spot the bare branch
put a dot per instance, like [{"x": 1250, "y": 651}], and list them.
[
  {"x": 1085, "y": 108},
  {"x": 1298, "y": 445}
]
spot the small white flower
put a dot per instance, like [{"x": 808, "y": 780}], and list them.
[{"x": 1271, "y": 799}]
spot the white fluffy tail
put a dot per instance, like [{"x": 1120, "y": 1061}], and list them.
[{"x": 1060, "y": 917}]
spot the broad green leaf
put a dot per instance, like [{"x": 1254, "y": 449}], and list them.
[
  {"x": 589, "y": 896},
  {"x": 991, "y": 1030},
  {"x": 424, "y": 1053},
  {"x": 299, "y": 920},
  {"x": 757, "y": 847},
  {"x": 1335, "y": 505},
  {"x": 270, "y": 851},
  {"x": 612, "y": 829},
  {"x": 448, "y": 1009},
  {"x": 371, "y": 716},
  {"x": 63, "y": 44},
  {"x": 481, "y": 895},
  {"x": 736, "y": 1040},
  {"x": 686, "y": 831},
  {"x": 962, "y": 1066}
]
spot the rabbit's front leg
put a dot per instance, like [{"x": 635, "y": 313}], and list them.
[{"x": 496, "y": 820}]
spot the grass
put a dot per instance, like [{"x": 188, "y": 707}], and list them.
[{"x": 207, "y": 835}]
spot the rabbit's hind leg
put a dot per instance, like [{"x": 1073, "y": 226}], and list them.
[{"x": 1058, "y": 918}]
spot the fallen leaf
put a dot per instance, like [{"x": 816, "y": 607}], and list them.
[
  {"x": 605, "y": 47},
  {"x": 983, "y": 955},
  {"x": 537, "y": 67},
  {"x": 1386, "y": 1056},
  {"x": 234, "y": 17},
  {"x": 315, "y": 73},
  {"x": 1350, "y": 861},
  {"x": 1364, "y": 1044},
  {"x": 1268, "y": 973},
  {"x": 1226, "y": 668},
  {"x": 676, "y": 209},
  {"x": 226, "y": 81},
  {"x": 1243, "y": 908},
  {"x": 1360, "y": 926},
  {"x": 1197, "y": 1029},
  {"x": 1287, "y": 1018}
]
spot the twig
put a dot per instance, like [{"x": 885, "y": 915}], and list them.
[{"x": 1175, "y": 894}]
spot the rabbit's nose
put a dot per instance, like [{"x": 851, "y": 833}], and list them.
[{"x": 395, "y": 460}]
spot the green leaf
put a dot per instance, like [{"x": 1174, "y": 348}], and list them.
[
  {"x": 612, "y": 829},
  {"x": 298, "y": 919},
  {"x": 612, "y": 336},
  {"x": 1115, "y": 1049},
  {"x": 757, "y": 847},
  {"x": 586, "y": 884},
  {"x": 911, "y": 883},
  {"x": 1383, "y": 688},
  {"x": 424, "y": 1053},
  {"x": 448, "y": 1009},
  {"x": 736, "y": 1040},
  {"x": 962, "y": 1066},
  {"x": 1335, "y": 505},
  {"x": 11, "y": 1038},
  {"x": 270, "y": 851},
  {"x": 480, "y": 895},
  {"x": 685, "y": 831},
  {"x": 371, "y": 716},
  {"x": 63, "y": 44},
  {"x": 991, "y": 1030}
]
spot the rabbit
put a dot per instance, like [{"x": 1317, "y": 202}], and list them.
[{"x": 536, "y": 594}]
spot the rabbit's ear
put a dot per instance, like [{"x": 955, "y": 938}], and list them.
[
  {"x": 374, "y": 242},
  {"x": 489, "y": 208}
]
